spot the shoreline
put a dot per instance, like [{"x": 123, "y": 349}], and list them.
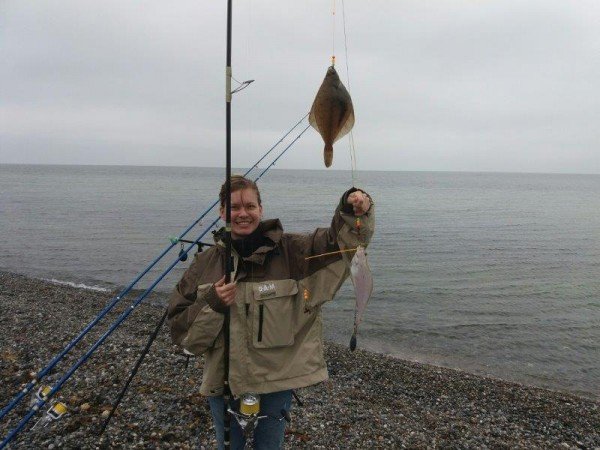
[
  {"x": 157, "y": 298},
  {"x": 371, "y": 400}
]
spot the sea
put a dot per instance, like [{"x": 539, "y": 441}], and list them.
[{"x": 492, "y": 273}]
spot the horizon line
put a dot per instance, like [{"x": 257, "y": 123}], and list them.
[{"x": 296, "y": 169}]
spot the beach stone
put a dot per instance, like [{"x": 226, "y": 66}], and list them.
[{"x": 372, "y": 401}]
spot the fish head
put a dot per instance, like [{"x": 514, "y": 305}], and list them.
[{"x": 331, "y": 72}]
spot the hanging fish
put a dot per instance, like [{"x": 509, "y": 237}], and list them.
[
  {"x": 362, "y": 279},
  {"x": 332, "y": 113}
]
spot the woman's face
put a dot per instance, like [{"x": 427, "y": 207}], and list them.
[{"x": 246, "y": 213}]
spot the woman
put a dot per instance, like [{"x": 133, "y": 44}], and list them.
[{"x": 275, "y": 299}]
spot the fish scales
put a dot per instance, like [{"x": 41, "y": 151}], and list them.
[{"x": 332, "y": 112}]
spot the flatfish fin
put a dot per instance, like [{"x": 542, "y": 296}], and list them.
[
  {"x": 347, "y": 127},
  {"x": 312, "y": 120}
]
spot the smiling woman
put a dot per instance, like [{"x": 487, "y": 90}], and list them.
[
  {"x": 246, "y": 207},
  {"x": 274, "y": 304}
]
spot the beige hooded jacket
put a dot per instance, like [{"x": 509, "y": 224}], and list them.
[{"x": 276, "y": 339}]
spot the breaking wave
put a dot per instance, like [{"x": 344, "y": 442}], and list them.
[{"x": 77, "y": 285}]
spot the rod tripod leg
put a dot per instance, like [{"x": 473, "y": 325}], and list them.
[
  {"x": 134, "y": 371},
  {"x": 297, "y": 398}
]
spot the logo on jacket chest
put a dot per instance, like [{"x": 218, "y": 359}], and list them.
[{"x": 266, "y": 289}]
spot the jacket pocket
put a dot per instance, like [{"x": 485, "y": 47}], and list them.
[{"x": 273, "y": 315}]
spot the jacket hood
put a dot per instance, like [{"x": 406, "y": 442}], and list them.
[{"x": 270, "y": 229}]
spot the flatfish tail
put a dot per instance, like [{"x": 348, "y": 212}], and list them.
[
  {"x": 328, "y": 154},
  {"x": 353, "y": 342}
]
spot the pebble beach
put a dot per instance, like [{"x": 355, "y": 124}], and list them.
[{"x": 370, "y": 401}]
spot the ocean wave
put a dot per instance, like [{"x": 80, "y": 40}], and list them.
[{"x": 77, "y": 285}]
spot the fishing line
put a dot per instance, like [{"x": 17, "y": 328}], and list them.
[
  {"x": 351, "y": 135},
  {"x": 333, "y": 33},
  {"x": 345, "y": 43},
  {"x": 43, "y": 372}
]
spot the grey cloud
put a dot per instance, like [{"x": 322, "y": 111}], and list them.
[{"x": 462, "y": 85}]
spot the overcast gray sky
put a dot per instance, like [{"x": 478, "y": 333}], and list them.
[{"x": 467, "y": 85}]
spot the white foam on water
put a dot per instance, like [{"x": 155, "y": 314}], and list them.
[{"x": 77, "y": 285}]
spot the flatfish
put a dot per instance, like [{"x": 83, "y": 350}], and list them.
[
  {"x": 332, "y": 113},
  {"x": 362, "y": 279}
]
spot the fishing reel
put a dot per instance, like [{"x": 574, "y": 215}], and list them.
[
  {"x": 55, "y": 412},
  {"x": 248, "y": 416},
  {"x": 40, "y": 395}
]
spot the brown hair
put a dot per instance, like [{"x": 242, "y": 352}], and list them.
[{"x": 238, "y": 183}]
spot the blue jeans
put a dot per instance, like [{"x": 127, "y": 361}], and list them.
[{"x": 269, "y": 431}]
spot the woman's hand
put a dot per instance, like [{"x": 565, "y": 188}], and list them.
[
  {"x": 360, "y": 202},
  {"x": 226, "y": 292}
]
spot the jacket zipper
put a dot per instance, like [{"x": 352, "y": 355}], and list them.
[{"x": 260, "y": 321}]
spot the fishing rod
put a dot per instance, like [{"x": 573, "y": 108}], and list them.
[
  {"x": 281, "y": 154},
  {"x": 228, "y": 266},
  {"x": 43, "y": 372},
  {"x": 37, "y": 406},
  {"x": 92, "y": 349}
]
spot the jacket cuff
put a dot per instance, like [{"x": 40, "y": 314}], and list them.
[{"x": 214, "y": 301}]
